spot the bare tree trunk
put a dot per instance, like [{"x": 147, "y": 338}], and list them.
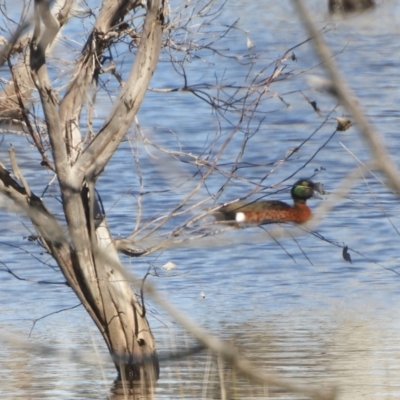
[{"x": 86, "y": 253}]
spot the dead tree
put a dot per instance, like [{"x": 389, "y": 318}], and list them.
[{"x": 85, "y": 251}]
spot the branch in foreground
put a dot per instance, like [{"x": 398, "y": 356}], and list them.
[
  {"x": 224, "y": 349},
  {"x": 341, "y": 90}
]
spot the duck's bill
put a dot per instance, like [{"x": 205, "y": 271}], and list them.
[{"x": 318, "y": 189}]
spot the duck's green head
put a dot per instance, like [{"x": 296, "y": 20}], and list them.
[{"x": 303, "y": 189}]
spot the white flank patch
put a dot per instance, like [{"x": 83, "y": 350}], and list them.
[
  {"x": 168, "y": 266},
  {"x": 240, "y": 217}
]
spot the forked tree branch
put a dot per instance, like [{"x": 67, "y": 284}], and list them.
[
  {"x": 97, "y": 154},
  {"x": 101, "y": 37}
]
